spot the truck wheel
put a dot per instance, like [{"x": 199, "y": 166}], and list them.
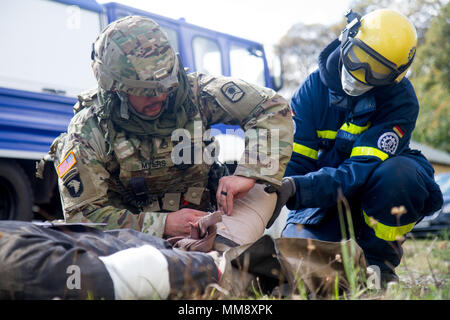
[{"x": 16, "y": 196}]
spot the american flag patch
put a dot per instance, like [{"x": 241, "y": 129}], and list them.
[
  {"x": 66, "y": 164},
  {"x": 398, "y": 131}
]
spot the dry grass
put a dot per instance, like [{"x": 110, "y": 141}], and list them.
[
  {"x": 424, "y": 275},
  {"x": 424, "y": 271}
]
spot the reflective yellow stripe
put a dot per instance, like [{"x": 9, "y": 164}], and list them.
[
  {"x": 385, "y": 232},
  {"x": 327, "y": 134},
  {"x": 353, "y": 128},
  {"x": 347, "y": 127},
  {"x": 369, "y": 151},
  {"x": 308, "y": 152}
]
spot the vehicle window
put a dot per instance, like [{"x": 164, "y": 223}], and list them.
[
  {"x": 49, "y": 48},
  {"x": 207, "y": 56},
  {"x": 173, "y": 37},
  {"x": 247, "y": 64}
]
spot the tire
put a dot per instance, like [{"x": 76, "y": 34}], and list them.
[{"x": 16, "y": 196}]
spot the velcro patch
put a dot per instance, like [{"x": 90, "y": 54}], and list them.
[
  {"x": 232, "y": 91},
  {"x": 74, "y": 185},
  {"x": 68, "y": 162}
]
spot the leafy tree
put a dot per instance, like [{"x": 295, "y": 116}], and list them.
[
  {"x": 420, "y": 12},
  {"x": 299, "y": 51},
  {"x": 432, "y": 83}
]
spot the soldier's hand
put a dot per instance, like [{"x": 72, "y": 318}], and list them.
[
  {"x": 286, "y": 191},
  {"x": 230, "y": 188},
  {"x": 178, "y": 222}
]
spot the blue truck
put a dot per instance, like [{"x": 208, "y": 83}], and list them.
[{"x": 45, "y": 63}]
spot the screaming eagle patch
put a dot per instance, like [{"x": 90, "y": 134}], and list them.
[
  {"x": 74, "y": 185},
  {"x": 388, "y": 142},
  {"x": 232, "y": 91}
]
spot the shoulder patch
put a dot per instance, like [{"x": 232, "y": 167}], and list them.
[
  {"x": 65, "y": 165},
  {"x": 237, "y": 97},
  {"x": 398, "y": 131},
  {"x": 232, "y": 91},
  {"x": 74, "y": 185},
  {"x": 388, "y": 142}
]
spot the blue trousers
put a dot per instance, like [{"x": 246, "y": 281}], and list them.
[{"x": 398, "y": 181}]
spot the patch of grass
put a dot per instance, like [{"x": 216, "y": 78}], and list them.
[
  {"x": 427, "y": 275},
  {"x": 424, "y": 275},
  {"x": 424, "y": 271}
]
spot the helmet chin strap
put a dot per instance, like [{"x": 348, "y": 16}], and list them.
[{"x": 123, "y": 105}]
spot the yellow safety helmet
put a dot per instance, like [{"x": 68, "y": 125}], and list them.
[{"x": 378, "y": 48}]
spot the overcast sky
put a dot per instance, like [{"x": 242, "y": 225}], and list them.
[{"x": 264, "y": 21}]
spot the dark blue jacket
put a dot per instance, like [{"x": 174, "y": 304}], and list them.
[{"x": 339, "y": 140}]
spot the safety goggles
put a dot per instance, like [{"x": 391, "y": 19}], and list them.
[
  {"x": 359, "y": 57},
  {"x": 163, "y": 82},
  {"x": 351, "y": 86}
]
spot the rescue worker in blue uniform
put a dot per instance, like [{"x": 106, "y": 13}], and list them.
[{"x": 353, "y": 122}]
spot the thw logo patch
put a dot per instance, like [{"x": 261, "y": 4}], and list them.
[{"x": 388, "y": 142}]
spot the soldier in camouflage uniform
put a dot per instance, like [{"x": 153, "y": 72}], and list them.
[{"x": 116, "y": 163}]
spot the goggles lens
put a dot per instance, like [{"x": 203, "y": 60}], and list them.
[
  {"x": 167, "y": 85},
  {"x": 153, "y": 88},
  {"x": 158, "y": 92},
  {"x": 351, "y": 86},
  {"x": 358, "y": 56},
  {"x": 367, "y": 65}
]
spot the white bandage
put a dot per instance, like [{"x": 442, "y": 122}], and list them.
[
  {"x": 249, "y": 217},
  {"x": 138, "y": 273}
]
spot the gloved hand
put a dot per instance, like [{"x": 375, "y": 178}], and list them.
[{"x": 286, "y": 191}]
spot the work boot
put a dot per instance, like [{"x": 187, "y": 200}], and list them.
[{"x": 387, "y": 277}]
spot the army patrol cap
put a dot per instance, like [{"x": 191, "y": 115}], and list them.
[{"x": 133, "y": 55}]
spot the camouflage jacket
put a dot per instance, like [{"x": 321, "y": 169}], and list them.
[{"x": 97, "y": 178}]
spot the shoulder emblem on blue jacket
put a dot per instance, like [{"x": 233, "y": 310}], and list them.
[{"x": 388, "y": 142}]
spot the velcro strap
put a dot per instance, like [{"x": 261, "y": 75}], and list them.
[
  {"x": 194, "y": 195},
  {"x": 171, "y": 201}
]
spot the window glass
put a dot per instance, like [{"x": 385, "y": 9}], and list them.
[
  {"x": 173, "y": 37},
  {"x": 207, "y": 56},
  {"x": 47, "y": 49},
  {"x": 247, "y": 65}
]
